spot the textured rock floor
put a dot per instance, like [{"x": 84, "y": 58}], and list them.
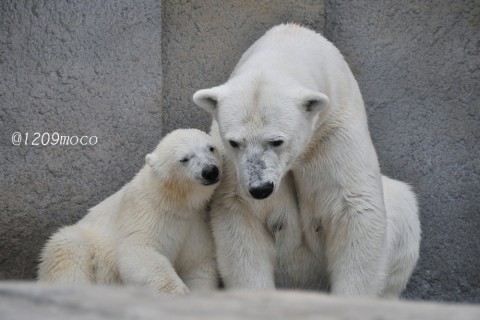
[{"x": 39, "y": 301}]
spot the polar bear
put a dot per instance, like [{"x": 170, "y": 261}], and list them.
[
  {"x": 154, "y": 231},
  {"x": 304, "y": 204}
]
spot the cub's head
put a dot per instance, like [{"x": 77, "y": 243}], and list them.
[
  {"x": 185, "y": 157},
  {"x": 265, "y": 126}
]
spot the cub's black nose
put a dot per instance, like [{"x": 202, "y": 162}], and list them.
[
  {"x": 210, "y": 173},
  {"x": 262, "y": 191}
]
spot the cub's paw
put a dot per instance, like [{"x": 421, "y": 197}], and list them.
[
  {"x": 179, "y": 291},
  {"x": 172, "y": 289}
]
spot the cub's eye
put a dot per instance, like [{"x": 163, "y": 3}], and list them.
[
  {"x": 234, "y": 144},
  {"x": 212, "y": 149},
  {"x": 276, "y": 143},
  {"x": 184, "y": 160}
]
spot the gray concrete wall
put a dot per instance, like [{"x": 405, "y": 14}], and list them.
[
  {"x": 418, "y": 66},
  {"x": 96, "y": 69},
  {"x": 77, "y": 68},
  {"x": 203, "y": 40}
]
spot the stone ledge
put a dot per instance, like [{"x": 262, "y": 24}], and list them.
[{"x": 28, "y": 300}]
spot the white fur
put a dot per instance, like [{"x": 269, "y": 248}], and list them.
[
  {"x": 293, "y": 85},
  {"x": 153, "y": 232}
]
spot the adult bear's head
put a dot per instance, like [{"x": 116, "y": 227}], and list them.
[{"x": 265, "y": 123}]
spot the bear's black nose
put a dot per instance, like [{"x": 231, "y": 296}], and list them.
[
  {"x": 262, "y": 191},
  {"x": 210, "y": 173}
]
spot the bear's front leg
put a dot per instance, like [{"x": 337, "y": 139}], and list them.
[
  {"x": 201, "y": 276},
  {"x": 142, "y": 265},
  {"x": 356, "y": 252},
  {"x": 245, "y": 251},
  {"x": 196, "y": 263}
]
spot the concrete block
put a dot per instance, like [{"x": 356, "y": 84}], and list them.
[
  {"x": 76, "y": 68},
  {"x": 418, "y": 66}
]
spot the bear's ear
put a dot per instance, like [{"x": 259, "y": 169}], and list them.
[
  {"x": 313, "y": 101},
  {"x": 150, "y": 159},
  {"x": 153, "y": 161},
  {"x": 207, "y": 99}
]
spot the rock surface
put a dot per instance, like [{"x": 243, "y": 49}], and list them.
[{"x": 35, "y": 301}]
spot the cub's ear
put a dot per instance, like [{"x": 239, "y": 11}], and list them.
[
  {"x": 150, "y": 159},
  {"x": 313, "y": 101},
  {"x": 207, "y": 99}
]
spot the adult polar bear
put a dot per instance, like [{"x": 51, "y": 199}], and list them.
[{"x": 294, "y": 128}]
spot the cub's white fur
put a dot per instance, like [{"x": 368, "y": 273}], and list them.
[
  {"x": 303, "y": 203},
  {"x": 154, "y": 231}
]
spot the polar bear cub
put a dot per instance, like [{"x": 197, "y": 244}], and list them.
[{"x": 153, "y": 232}]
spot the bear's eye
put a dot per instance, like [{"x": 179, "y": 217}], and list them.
[
  {"x": 183, "y": 160},
  {"x": 212, "y": 149},
  {"x": 276, "y": 143},
  {"x": 234, "y": 144}
]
